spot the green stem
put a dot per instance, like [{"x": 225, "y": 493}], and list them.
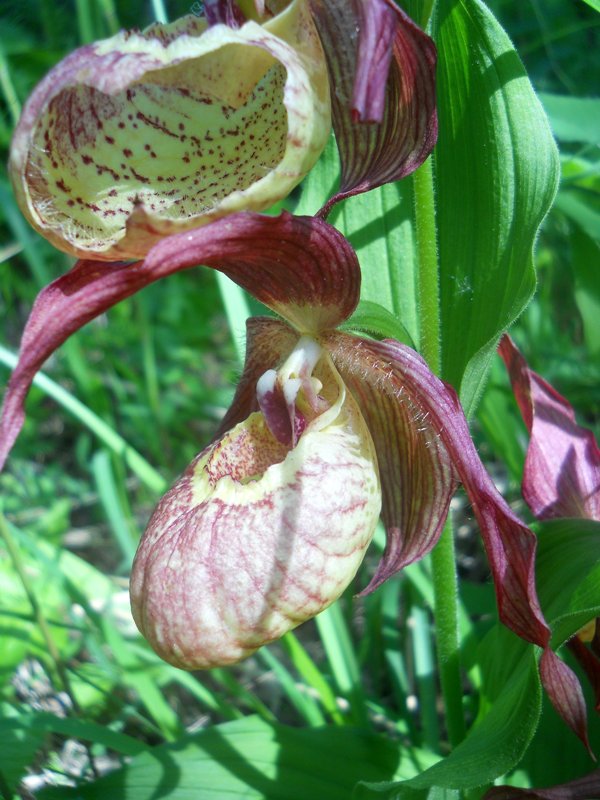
[
  {"x": 443, "y": 563},
  {"x": 427, "y": 256},
  {"x": 445, "y": 593}
]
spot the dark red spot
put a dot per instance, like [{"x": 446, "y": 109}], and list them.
[
  {"x": 87, "y": 159},
  {"x": 63, "y": 186},
  {"x": 127, "y": 152}
]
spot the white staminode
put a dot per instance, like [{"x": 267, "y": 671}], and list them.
[{"x": 295, "y": 373}]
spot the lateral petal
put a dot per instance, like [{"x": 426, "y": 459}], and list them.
[
  {"x": 145, "y": 134},
  {"x": 584, "y": 788},
  {"x": 383, "y": 101},
  {"x": 400, "y": 397},
  {"x": 300, "y": 267},
  {"x": 561, "y": 477},
  {"x": 417, "y": 475}
]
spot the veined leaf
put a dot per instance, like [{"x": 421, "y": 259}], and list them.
[
  {"x": 250, "y": 758},
  {"x": 375, "y": 320},
  {"x": 379, "y": 225},
  {"x": 595, "y": 4},
  {"x": 568, "y": 571},
  {"x": 573, "y": 119},
  {"x": 496, "y": 170}
]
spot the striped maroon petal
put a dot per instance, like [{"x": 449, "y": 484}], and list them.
[
  {"x": 586, "y": 788},
  {"x": 300, "y": 267},
  {"x": 562, "y": 467},
  {"x": 590, "y": 663},
  {"x": 225, "y": 12},
  {"x": 423, "y": 446},
  {"x": 383, "y": 103},
  {"x": 417, "y": 476}
]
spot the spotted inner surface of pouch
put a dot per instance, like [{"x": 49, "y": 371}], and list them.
[
  {"x": 246, "y": 452},
  {"x": 175, "y": 150}
]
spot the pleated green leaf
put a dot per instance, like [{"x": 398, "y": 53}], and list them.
[
  {"x": 249, "y": 758},
  {"x": 496, "y": 170},
  {"x": 568, "y": 573}
]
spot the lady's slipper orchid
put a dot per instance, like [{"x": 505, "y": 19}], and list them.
[
  {"x": 561, "y": 477},
  {"x": 267, "y": 526},
  {"x": 306, "y": 271},
  {"x": 147, "y": 134}
]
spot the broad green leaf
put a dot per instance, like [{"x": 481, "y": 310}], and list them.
[
  {"x": 583, "y": 207},
  {"x": 595, "y": 4},
  {"x": 496, "y": 170},
  {"x": 568, "y": 574},
  {"x": 585, "y": 258},
  {"x": 379, "y": 224},
  {"x": 380, "y": 227},
  {"x": 248, "y": 759},
  {"x": 568, "y": 577},
  {"x": 375, "y": 320},
  {"x": 573, "y": 119}
]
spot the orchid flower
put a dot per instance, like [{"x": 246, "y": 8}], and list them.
[
  {"x": 146, "y": 134},
  {"x": 561, "y": 476},
  {"x": 268, "y": 525}
]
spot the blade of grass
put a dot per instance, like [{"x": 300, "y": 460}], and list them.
[
  {"x": 243, "y": 695},
  {"x": 109, "y": 497},
  {"x": 136, "y": 462},
  {"x": 313, "y": 676},
  {"x": 342, "y": 659},
  {"x": 8, "y": 89},
  {"x": 109, "y": 12},
  {"x": 237, "y": 311},
  {"x": 304, "y": 704},
  {"x": 425, "y": 675},
  {"x": 160, "y": 12}
]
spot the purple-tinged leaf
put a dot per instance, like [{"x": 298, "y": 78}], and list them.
[
  {"x": 300, "y": 267},
  {"x": 226, "y": 12},
  {"x": 409, "y": 410},
  {"x": 590, "y": 663},
  {"x": 586, "y": 788},
  {"x": 564, "y": 691},
  {"x": 383, "y": 98},
  {"x": 147, "y": 134},
  {"x": 561, "y": 477}
]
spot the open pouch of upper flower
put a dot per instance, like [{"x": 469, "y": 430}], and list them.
[{"x": 150, "y": 133}]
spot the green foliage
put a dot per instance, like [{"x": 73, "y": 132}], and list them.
[{"x": 144, "y": 388}]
